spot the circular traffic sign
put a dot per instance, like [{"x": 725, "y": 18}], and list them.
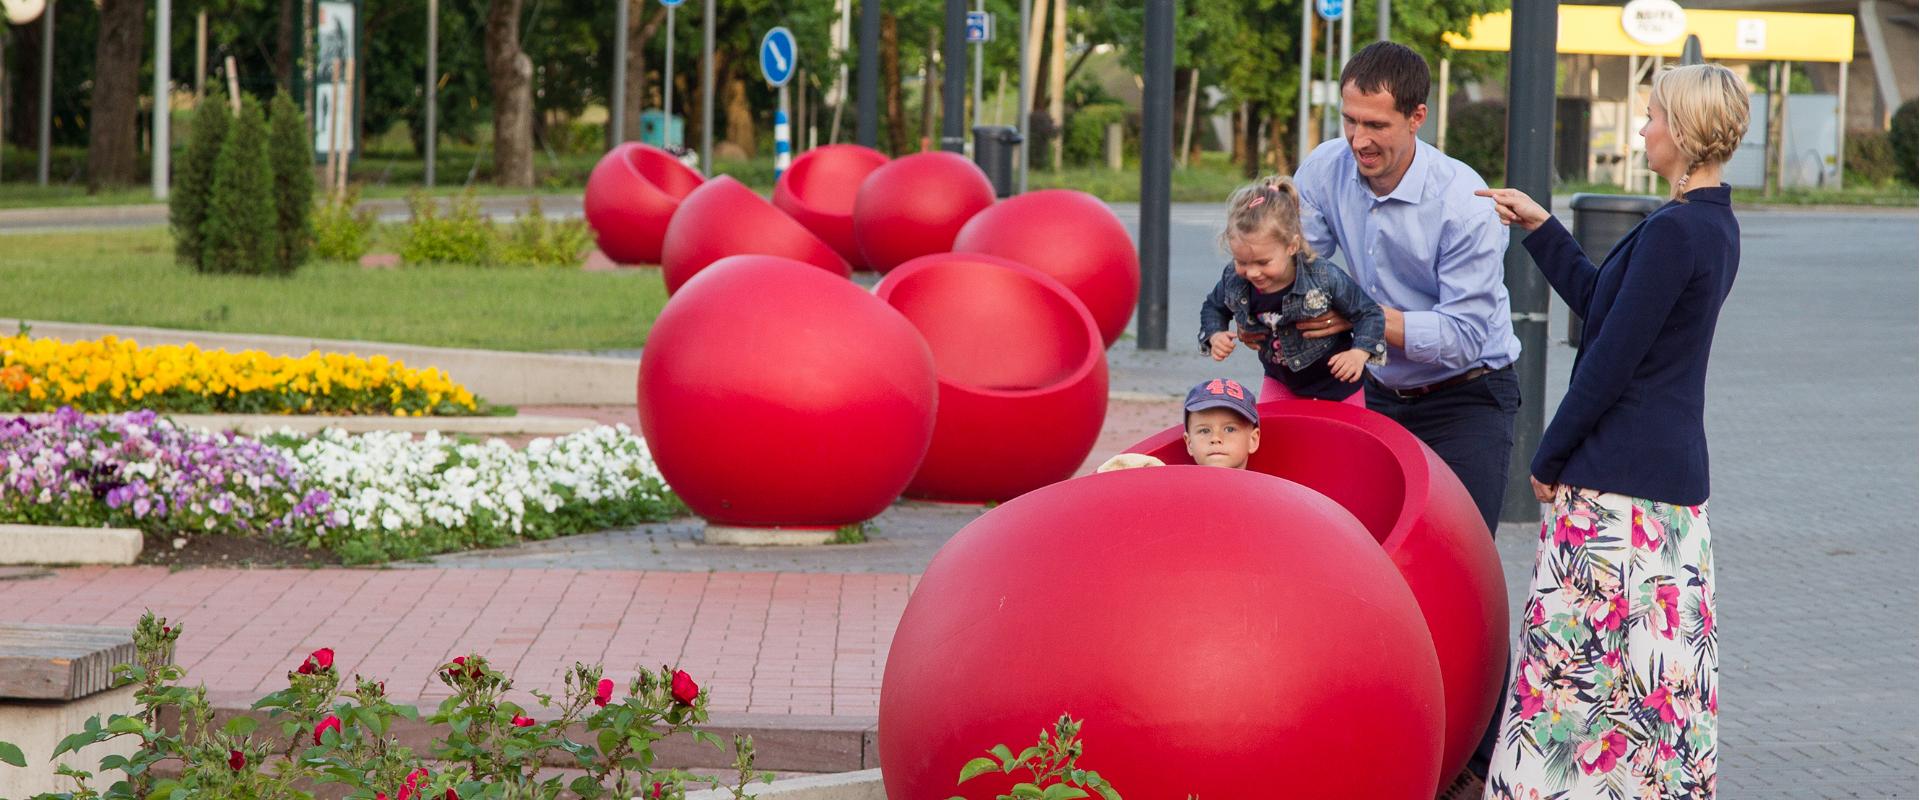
[
  {"x": 777, "y": 56},
  {"x": 1331, "y": 9}
]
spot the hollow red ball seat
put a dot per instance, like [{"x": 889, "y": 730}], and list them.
[
  {"x": 1072, "y": 236},
  {"x": 818, "y": 191},
  {"x": 773, "y": 394},
  {"x": 1423, "y": 519},
  {"x": 1023, "y": 375},
  {"x": 631, "y": 195},
  {"x": 1223, "y": 633},
  {"x": 725, "y": 218},
  {"x": 914, "y": 206}
]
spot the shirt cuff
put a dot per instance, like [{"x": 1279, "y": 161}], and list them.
[{"x": 1421, "y": 332}]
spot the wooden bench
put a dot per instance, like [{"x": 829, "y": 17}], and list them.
[{"x": 52, "y": 678}]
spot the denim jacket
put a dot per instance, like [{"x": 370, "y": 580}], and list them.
[{"x": 1318, "y": 287}]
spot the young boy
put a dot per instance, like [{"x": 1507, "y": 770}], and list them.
[{"x": 1222, "y": 429}]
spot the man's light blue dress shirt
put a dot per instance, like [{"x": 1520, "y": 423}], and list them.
[{"x": 1430, "y": 248}]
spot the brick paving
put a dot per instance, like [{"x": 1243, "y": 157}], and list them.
[{"x": 1811, "y": 411}]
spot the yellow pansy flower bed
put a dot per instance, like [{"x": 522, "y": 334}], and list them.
[{"x": 113, "y": 374}]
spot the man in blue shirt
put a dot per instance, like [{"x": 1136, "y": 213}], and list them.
[{"x": 1405, "y": 220}]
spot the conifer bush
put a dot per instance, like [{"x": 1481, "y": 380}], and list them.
[
  {"x": 240, "y": 233},
  {"x": 292, "y": 156},
  {"x": 193, "y": 180}
]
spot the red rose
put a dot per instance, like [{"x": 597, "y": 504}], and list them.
[
  {"x": 603, "y": 694},
  {"x": 659, "y": 792},
  {"x": 522, "y": 722},
  {"x": 321, "y": 659},
  {"x": 453, "y": 795},
  {"x": 409, "y": 788},
  {"x": 472, "y": 672},
  {"x": 685, "y": 691},
  {"x": 330, "y": 723},
  {"x": 236, "y": 759}
]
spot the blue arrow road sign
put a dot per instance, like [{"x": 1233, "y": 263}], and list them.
[
  {"x": 671, "y": 3},
  {"x": 777, "y": 56},
  {"x": 1331, "y": 9},
  {"x": 979, "y": 27}
]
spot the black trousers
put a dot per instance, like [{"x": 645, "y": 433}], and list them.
[{"x": 1470, "y": 427}]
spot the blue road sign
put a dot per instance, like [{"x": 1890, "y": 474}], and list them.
[
  {"x": 1331, "y": 9},
  {"x": 979, "y": 27},
  {"x": 777, "y": 55}
]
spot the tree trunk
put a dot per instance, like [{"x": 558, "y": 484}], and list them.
[
  {"x": 929, "y": 90},
  {"x": 890, "y": 72},
  {"x": 740, "y": 128},
  {"x": 1276, "y": 148},
  {"x": 641, "y": 28},
  {"x": 1250, "y": 138},
  {"x": 696, "y": 117},
  {"x": 112, "y": 132},
  {"x": 511, "y": 74},
  {"x": 283, "y": 46}
]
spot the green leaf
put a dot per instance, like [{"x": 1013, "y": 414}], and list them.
[
  {"x": 74, "y": 742},
  {"x": 976, "y": 768},
  {"x": 239, "y": 727},
  {"x": 1002, "y": 752},
  {"x": 126, "y": 725},
  {"x": 11, "y": 754},
  {"x": 1028, "y": 790},
  {"x": 1106, "y": 791},
  {"x": 1061, "y": 791}
]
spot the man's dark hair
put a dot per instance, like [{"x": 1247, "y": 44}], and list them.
[{"x": 1392, "y": 67}]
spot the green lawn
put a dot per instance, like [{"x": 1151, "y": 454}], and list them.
[{"x": 129, "y": 278}]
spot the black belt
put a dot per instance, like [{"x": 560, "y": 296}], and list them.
[{"x": 1457, "y": 380}]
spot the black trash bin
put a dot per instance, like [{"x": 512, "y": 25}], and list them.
[
  {"x": 1600, "y": 221},
  {"x": 994, "y": 147}
]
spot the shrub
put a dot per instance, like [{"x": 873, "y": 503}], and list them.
[
  {"x": 1477, "y": 135},
  {"x": 1870, "y": 160},
  {"x": 292, "y": 155},
  {"x": 463, "y": 236},
  {"x": 341, "y": 230},
  {"x": 1086, "y": 133},
  {"x": 193, "y": 181},
  {"x": 240, "y": 233},
  {"x": 1904, "y": 137},
  {"x": 535, "y": 240}
]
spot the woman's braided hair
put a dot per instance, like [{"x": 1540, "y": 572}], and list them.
[
  {"x": 1706, "y": 107},
  {"x": 1271, "y": 205}
]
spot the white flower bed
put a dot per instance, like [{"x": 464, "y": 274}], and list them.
[{"x": 403, "y": 497}]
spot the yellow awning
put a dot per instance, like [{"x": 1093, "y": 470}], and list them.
[{"x": 1724, "y": 35}]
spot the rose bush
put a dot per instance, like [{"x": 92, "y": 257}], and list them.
[
  {"x": 334, "y": 742},
  {"x": 113, "y": 374}
]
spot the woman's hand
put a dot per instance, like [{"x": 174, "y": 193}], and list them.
[
  {"x": 1221, "y": 344},
  {"x": 1543, "y": 492},
  {"x": 1515, "y": 207}
]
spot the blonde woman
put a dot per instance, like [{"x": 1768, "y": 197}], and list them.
[{"x": 1615, "y": 672}]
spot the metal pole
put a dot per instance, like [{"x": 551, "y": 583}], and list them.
[
  {"x": 1440, "y": 133},
  {"x": 162, "y": 108},
  {"x": 46, "y": 90},
  {"x": 199, "y": 56},
  {"x": 666, "y": 87},
  {"x": 953, "y": 97},
  {"x": 1326, "y": 73},
  {"x": 1302, "y": 147},
  {"x": 433, "y": 85},
  {"x": 866, "y": 124},
  {"x": 706, "y": 90},
  {"x": 1346, "y": 33},
  {"x": 1156, "y": 176},
  {"x": 979, "y": 66},
  {"x": 782, "y": 136},
  {"x": 1186, "y": 125},
  {"x": 1786, "y": 92},
  {"x": 1383, "y": 21},
  {"x": 1530, "y": 76},
  {"x": 1840, "y": 130},
  {"x": 1023, "y": 113},
  {"x": 619, "y": 99}
]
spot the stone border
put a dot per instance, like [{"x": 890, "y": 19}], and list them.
[
  {"x": 862, "y": 785},
  {"x": 368, "y": 423},
  {"x": 765, "y": 537},
  {"x": 496, "y": 376},
  {"x": 48, "y": 545}
]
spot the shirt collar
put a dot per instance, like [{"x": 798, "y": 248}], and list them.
[{"x": 1412, "y": 185}]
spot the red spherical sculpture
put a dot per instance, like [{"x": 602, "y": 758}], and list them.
[
  {"x": 1221, "y": 632},
  {"x": 819, "y": 188},
  {"x": 915, "y": 205},
  {"x": 725, "y": 218},
  {"x": 775, "y": 394},
  {"x": 1073, "y": 237},
  {"x": 631, "y": 195},
  {"x": 1023, "y": 375},
  {"x": 1422, "y": 517}
]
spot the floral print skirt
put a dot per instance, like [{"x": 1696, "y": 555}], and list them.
[{"x": 1614, "y": 692}]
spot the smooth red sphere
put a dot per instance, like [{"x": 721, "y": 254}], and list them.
[
  {"x": 725, "y": 218},
  {"x": 1023, "y": 375},
  {"x": 1072, "y": 236},
  {"x": 773, "y": 393},
  {"x": 914, "y": 206},
  {"x": 631, "y": 195},
  {"x": 1223, "y": 633},
  {"x": 1423, "y": 519},
  {"x": 818, "y": 191}
]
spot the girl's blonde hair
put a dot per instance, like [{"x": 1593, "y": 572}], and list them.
[
  {"x": 1271, "y": 205},
  {"x": 1706, "y": 107}
]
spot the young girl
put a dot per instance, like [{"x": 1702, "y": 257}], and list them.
[{"x": 1275, "y": 282}]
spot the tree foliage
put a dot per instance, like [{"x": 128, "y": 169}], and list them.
[
  {"x": 240, "y": 233},
  {"x": 193, "y": 176},
  {"x": 291, "y": 152}
]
